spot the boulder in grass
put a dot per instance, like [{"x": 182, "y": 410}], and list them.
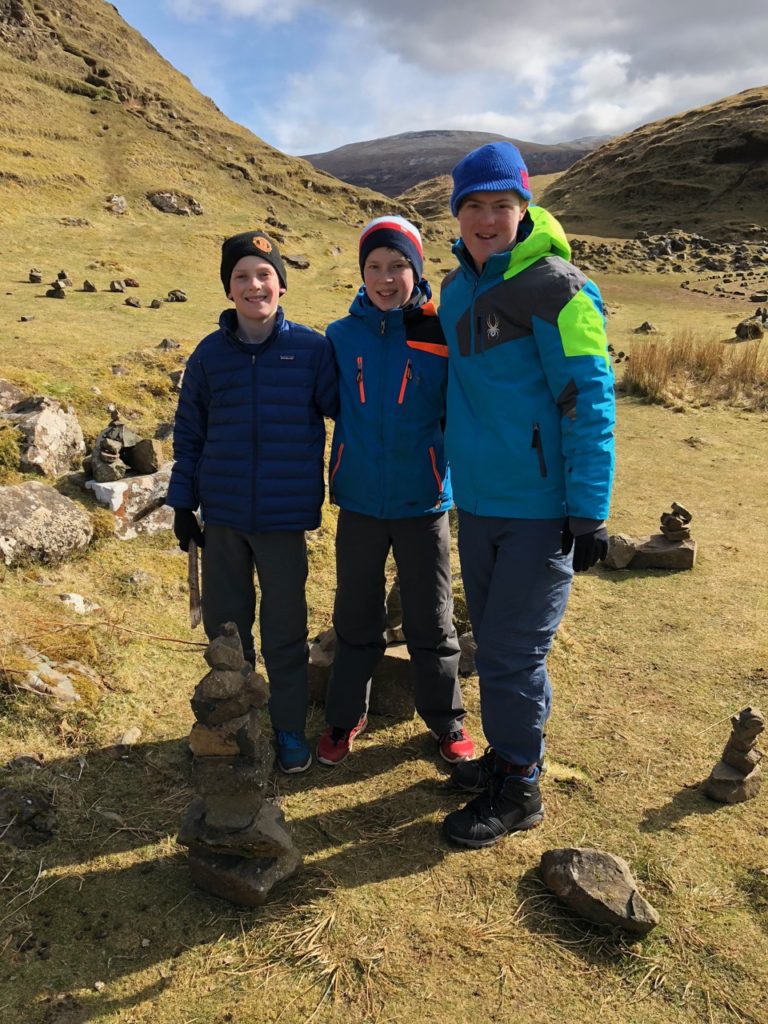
[
  {"x": 599, "y": 886},
  {"x": 750, "y": 330},
  {"x": 52, "y": 437},
  {"x": 39, "y": 524},
  {"x": 130, "y": 495}
]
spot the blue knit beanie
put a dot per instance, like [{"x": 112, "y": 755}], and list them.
[
  {"x": 393, "y": 232},
  {"x": 495, "y": 167}
]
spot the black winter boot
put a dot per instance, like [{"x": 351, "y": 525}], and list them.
[{"x": 508, "y": 804}]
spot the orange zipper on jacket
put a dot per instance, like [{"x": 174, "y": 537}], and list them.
[
  {"x": 433, "y": 459},
  {"x": 360, "y": 384},
  {"x": 407, "y": 374},
  {"x": 335, "y": 470}
]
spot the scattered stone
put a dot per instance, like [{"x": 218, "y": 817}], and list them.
[
  {"x": 130, "y": 737},
  {"x": 750, "y": 330},
  {"x": 25, "y": 319},
  {"x": 9, "y": 395},
  {"x": 737, "y": 775},
  {"x": 116, "y": 286},
  {"x": 52, "y": 437},
  {"x": 133, "y": 301},
  {"x": 131, "y": 282},
  {"x": 621, "y": 551},
  {"x": 89, "y": 286},
  {"x": 239, "y": 846},
  {"x": 78, "y": 603},
  {"x": 759, "y": 297},
  {"x": 176, "y": 377},
  {"x": 35, "y": 276},
  {"x": 167, "y": 344},
  {"x": 117, "y": 204},
  {"x": 56, "y": 291},
  {"x": 57, "y": 681},
  {"x": 27, "y": 818},
  {"x": 156, "y": 304},
  {"x": 164, "y": 431},
  {"x": 40, "y": 525},
  {"x": 177, "y": 295},
  {"x": 171, "y": 202},
  {"x": 599, "y": 886},
  {"x": 300, "y": 262},
  {"x": 25, "y": 761},
  {"x": 119, "y": 371},
  {"x": 646, "y": 327},
  {"x": 63, "y": 276}
]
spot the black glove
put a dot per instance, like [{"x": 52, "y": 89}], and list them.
[
  {"x": 187, "y": 528},
  {"x": 588, "y": 548}
]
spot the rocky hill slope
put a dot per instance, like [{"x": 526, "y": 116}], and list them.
[
  {"x": 702, "y": 170},
  {"x": 89, "y": 108},
  {"x": 398, "y": 162}
]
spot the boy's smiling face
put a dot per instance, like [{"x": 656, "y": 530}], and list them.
[
  {"x": 255, "y": 289},
  {"x": 488, "y": 222},
  {"x": 389, "y": 278}
]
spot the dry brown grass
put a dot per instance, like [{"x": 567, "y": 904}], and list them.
[{"x": 697, "y": 369}]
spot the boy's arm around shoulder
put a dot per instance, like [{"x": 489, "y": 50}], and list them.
[
  {"x": 189, "y": 432},
  {"x": 574, "y": 353}
]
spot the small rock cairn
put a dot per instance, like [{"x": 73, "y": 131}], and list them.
[
  {"x": 737, "y": 775},
  {"x": 239, "y": 846},
  {"x": 119, "y": 451}
]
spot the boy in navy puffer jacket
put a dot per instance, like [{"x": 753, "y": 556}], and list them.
[
  {"x": 249, "y": 441},
  {"x": 390, "y": 478}
]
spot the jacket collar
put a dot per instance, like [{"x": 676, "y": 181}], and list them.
[
  {"x": 364, "y": 309},
  {"x": 228, "y": 324}
]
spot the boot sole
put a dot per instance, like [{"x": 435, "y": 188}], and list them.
[
  {"x": 532, "y": 821},
  {"x": 297, "y": 769}
]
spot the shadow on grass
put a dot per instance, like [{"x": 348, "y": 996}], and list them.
[
  {"x": 102, "y": 922},
  {"x": 687, "y": 801}
]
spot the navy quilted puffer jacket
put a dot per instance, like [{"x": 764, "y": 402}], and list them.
[{"x": 249, "y": 435}]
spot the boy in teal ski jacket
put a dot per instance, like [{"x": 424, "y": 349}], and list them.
[{"x": 530, "y": 441}]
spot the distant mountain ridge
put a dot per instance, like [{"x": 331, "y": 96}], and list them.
[{"x": 396, "y": 163}]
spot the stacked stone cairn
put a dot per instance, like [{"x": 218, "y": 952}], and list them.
[
  {"x": 239, "y": 846},
  {"x": 675, "y": 525},
  {"x": 119, "y": 450},
  {"x": 737, "y": 775}
]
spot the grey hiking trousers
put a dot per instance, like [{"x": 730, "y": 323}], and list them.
[
  {"x": 421, "y": 548},
  {"x": 229, "y": 558}
]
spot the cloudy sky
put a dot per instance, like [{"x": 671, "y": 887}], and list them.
[{"x": 307, "y": 77}]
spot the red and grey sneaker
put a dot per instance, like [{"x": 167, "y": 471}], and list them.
[
  {"x": 455, "y": 746},
  {"x": 334, "y": 744}
]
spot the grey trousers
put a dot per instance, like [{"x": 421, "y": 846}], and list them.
[
  {"x": 421, "y": 547},
  {"x": 229, "y": 558}
]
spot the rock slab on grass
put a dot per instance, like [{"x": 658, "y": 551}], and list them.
[
  {"x": 655, "y": 552},
  {"x": 246, "y": 882},
  {"x": 599, "y": 886},
  {"x": 53, "y": 439},
  {"x": 38, "y": 524}
]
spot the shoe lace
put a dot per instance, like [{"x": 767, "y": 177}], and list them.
[
  {"x": 456, "y": 735},
  {"x": 291, "y": 740}
]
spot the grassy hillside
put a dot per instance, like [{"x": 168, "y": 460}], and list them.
[
  {"x": 385, "y": 923},
  {"x": 704, "y": 170}
]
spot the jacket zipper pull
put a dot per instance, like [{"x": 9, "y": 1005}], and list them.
[
  {"x": 383, "y": 326},
  {"x": 407, "y": 375},
  {"x": 360, "y": 384}
]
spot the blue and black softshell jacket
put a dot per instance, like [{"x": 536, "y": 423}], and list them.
[
  {"x": 388, "y": 452},
  {"x": 530, "y": 393},
  {"x": 249, "y": 436}
]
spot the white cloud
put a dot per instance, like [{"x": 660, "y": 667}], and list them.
[{"x": 556, "y": 71}]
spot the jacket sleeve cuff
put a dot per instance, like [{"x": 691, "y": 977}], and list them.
[{"x": 579, "y": 526}]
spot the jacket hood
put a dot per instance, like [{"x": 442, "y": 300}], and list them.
[{"x": 540, "y": 234}]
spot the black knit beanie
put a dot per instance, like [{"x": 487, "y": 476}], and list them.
[{"x": 250, "y": 243}]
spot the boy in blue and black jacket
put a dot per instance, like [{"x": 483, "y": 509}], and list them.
[
  {"x": 390, "y": 478},
  {"x": 249, "y": 442},
  {"x": 530, "y": 439}
]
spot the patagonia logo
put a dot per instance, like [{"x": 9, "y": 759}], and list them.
[
  {"x": 287, "y": 358},
  {"x": 263, "y": 244},
  {"x": 492, "y": 326}
]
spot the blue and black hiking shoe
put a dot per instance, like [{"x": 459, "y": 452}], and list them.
[
  {"x": 474, "y": 776},
  {"x": 293, "y": 753},
  {"x": 508, "y": 804}
]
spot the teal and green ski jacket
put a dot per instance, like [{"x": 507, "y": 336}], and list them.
[{"x": 531, "y": 409}]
